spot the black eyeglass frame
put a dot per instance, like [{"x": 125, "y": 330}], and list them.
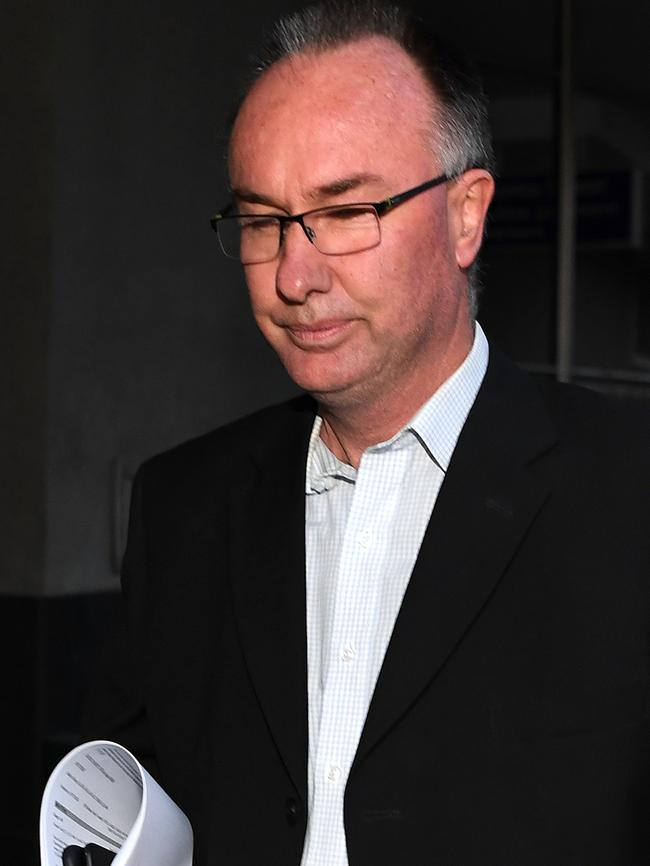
[{"x": 380, "y": 207}]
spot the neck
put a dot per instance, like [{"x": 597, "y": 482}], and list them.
[
  {"x": 348, "y": 433},
  {"x": 351, "y": 426}
]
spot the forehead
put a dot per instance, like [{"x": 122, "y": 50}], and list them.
[{"x": 362, "y": 104}]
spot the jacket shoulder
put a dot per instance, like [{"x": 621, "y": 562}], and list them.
[
  {"x": 224, "y": 450},
  {"x": 598, "y": 421}
]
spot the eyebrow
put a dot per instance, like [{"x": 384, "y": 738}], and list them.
[
  {"x": 326, "y": 190},
  {"x": 241, "y": 193},
  {"x": 344, "y": 184}
]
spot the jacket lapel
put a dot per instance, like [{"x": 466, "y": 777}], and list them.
[
  {"x": 496, "y": 483},
  {"x": 268, "y": 579}
]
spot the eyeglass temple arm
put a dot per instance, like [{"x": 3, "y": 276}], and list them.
[{"x": 383, "y": 206}]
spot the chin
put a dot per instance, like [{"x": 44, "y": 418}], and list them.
[
  {"x": 335, "y": 392},
  {"x": 319, "y": 387},
  {"x": 317, "y": 374}
]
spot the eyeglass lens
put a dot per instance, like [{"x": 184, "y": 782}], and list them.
[{"x": 333, "y": 231}]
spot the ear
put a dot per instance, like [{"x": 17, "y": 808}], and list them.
[{"x": 469, "y": 200}]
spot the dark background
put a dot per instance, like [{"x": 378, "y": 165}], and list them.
[{"x": 123, "y": 331}]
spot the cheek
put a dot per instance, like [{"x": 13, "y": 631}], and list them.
[
  {"x": 417, "y": 284},
  {"x": 260, "y": 280},
  {"x": 425, "y": 252},
  {"x": 404, "y": 273}
]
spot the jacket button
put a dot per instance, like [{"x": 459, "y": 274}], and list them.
[{"x": 292, "y": 811}]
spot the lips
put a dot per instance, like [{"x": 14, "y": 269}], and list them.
[{"x": 318, "y": 334}]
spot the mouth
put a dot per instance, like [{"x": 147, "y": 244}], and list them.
[{"x": 319, "y": 334}]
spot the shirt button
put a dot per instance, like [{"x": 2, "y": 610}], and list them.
[
  {"x": 349, "y": 653},
  {"x": 364, "y": 538},
  {"x": 334, "y": 774}
]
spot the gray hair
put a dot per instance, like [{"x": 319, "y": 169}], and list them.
[{"x": 460, "y": 123}]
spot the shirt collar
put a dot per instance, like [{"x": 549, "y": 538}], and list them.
[
  {"x": 439, "y": 421},
  {"x": 436, "y": 425},
  {"x": 323, "y": 467}
]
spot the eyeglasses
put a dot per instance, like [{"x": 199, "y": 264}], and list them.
[{"x": 335, "y": 231}]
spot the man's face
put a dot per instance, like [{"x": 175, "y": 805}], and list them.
[{"x": 352, "y": 125}]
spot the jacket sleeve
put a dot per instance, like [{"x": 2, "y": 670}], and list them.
[{"x": 114, "y": 707}]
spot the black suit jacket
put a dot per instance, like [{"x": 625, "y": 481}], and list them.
[{"x": 509, "y": 725}]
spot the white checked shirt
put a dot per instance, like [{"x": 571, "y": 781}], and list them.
[{"x": 363, "y": 531}]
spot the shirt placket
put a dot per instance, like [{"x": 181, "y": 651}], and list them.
[{"x": 351, "y": 665}]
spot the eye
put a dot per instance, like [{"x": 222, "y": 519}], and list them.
[
  {"x": 345, "y": 214},
  {"x": 257, "y": 224},
  {"x": 352, "y": 217}
]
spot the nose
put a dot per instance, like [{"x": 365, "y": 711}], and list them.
[{"x": 301, "y": 268}]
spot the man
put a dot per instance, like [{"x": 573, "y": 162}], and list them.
[{"x": 403, "y": 621}]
